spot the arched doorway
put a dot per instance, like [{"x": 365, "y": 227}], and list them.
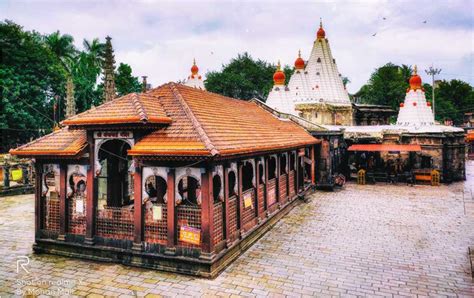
[
  {"x": 114, "y": 218},
  {"x": 114, "y": 179}
]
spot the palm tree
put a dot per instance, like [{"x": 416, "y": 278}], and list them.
[
  {"x": 63, "y": 47},
  {"x": 93, "y": 55},
  {"x": 405, "y": 71}
]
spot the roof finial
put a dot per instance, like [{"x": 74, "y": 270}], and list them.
[
  {"x": 321, "y": 34},
  {"x": 415, "y": 70},
  {"x": 194, "y": 68},
  {"x": 299, "y": 53},
  {"x": 279, "y": 75}
]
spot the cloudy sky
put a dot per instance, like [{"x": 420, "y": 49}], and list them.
[{"x": 160, "y": 38}]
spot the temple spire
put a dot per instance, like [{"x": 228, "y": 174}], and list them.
[
  {"x": 144, "y": 84},
  {"x": 70, "y": 101},
  {"x": 109, "y": 71},
  {"x": 195, "y": 79}
]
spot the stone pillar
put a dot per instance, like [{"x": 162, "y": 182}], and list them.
[
  {"x": 257, "y": 187},
  {"x": 313, "y": 166},
  {"x": 207, "y": 215},
  {"x": 266, "y": 184},
  {"x": 6, "y": 175},
  {"x": 138, "y": 206},
  {"x": 297, "y": 172},
  {"x": 90, "y": 200},
  {"x": 62, "y": 202},
  {"x": 25, "y": 174},
  {"x": 38, "y": 200},
  {"x": 171, "y": 216},
  {"x": 277, "y": 180},
  {"x": 226, "y": 205},
  {"x": 239, "y": 198},
  {"x": 287, "y": 169}
]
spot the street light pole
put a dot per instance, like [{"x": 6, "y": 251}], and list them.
[{"x": 432, "y": 72}]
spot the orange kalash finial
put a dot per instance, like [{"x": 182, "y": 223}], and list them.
[
  {"x": 299, "y": 62},
  {"x": 321, "y": 33},
  {"x": 279, "y": 76},
  {"x": 415, "y": 80},
  {"x": 194, "y": 68}
]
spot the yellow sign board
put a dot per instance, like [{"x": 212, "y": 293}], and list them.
[
  {"x": 248, "y": 200},
  {"x": 17, "y": 174},
  {"x": 190, "y": 235}
]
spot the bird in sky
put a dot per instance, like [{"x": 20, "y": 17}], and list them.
[
  {"x": 424, "y": 22},
  {"x": 374, "y": 34},
  {"x": 384, "y": 18}
]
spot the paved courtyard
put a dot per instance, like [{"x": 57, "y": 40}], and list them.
[{"x": 375, "y": 240}]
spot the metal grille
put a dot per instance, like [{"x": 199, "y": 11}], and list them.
[
  {"x": 115, "y": 223},
  {"x": 188, "y": 216},
  {"x": 292, "y": 184},
  {"x": 261, "y": 203},
  {"x": 76, "y": 218},
  {"x": 51, "y": 214},
  {"x": 218, "y": 222},
  {"x": 232, "y": 218},
  {"x": 248, "y": 214},
  {"x": 282, "y": 187},
  {"x": 156, "y": 230}
]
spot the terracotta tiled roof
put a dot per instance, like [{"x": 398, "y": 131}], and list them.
[
  {"x": 199, "y": 123},
  {"x": 132, "y": 108},
  {"x": 206, "y": 123},
  {"x": 63, "y": 142}
]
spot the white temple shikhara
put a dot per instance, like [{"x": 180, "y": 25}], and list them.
[
  {"x": 315, "y": 91},
  {"x": 195, "y": 79},
  {"x": 415, "y": 110}
]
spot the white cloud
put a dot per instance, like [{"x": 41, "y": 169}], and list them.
[{"x": 160, "y": 39}]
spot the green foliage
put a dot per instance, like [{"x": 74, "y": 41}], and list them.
[
  {"x": 33, "y": 73},
  {"x": 125, "y": 82},
  {"x": 30, "y": 78},
  {"x": 386, "y": 86},
  {"x": 244, "y": 78},
  {"x": 452, "y": 99}
]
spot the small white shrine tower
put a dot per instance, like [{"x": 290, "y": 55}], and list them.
[
  {"x": 415, "y": 110},
  {"x": 315, "y": 91},
  {"x": 195, "y": 79}
]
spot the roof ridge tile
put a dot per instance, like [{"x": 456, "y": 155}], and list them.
[
  {"x": 137, "y": 104},
  {"x": 196, "y": 124}
]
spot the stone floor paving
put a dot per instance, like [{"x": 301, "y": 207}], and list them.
[{"x": 372, "y": 240}]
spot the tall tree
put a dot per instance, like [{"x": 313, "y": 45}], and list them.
[
  {"x": 109, "y": 71},
  {"x": 386, "y": 86},
  {"x": 453, "y": 99},
  {"x": 125, "y": 82},
  {"x": 30, "y": 77},
  {"x": 63, "y": 47},
  {"x": 244, "y": 77},
  {"x": 89, "y": 67}
]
